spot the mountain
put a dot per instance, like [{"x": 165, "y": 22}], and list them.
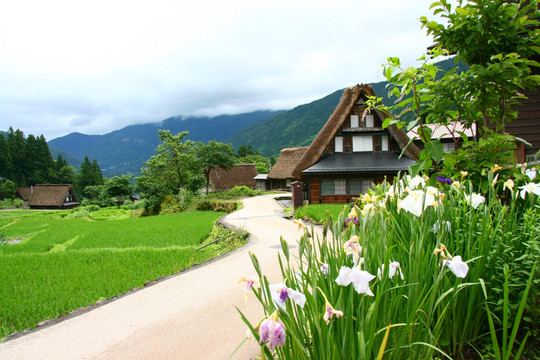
[
  {"x": 124, "y": 151},
  {"x": 299, "y": 126},
  {"x": 296, "y": 127}
]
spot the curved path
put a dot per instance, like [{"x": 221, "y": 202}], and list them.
[{"x": 189, "y": 316}]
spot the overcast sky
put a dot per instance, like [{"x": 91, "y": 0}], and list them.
[{"x": 97, "y": 66}]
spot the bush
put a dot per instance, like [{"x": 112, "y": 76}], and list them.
[{"x": 219, "y": 206}]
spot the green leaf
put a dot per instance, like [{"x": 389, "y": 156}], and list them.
[{"x": 435, "y": 149}]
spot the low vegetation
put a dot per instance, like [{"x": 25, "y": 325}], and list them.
[
  {"x": 318, "y": 213},
  {"x": 52, "y": 263}
]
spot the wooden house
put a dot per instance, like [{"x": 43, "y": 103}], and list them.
[
  {"x": 262, "y": 183},
  {"x": 49, "y": 196},
  {"x": 449, "y": 136},
  {"x": 239, "y": 175},
  {"x": 281, "y": 175},
  {"x": 350, "y": 153},
  {"x": 527, "y": 124}
]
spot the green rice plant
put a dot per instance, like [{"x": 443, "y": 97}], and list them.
[
  {"x": 408, "y": 278},
  {"x": 63, "y": 264}
]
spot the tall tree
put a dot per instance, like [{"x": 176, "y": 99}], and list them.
[
  {"x": 16, "y": 144},
  {"x": 166, "y": 172},
  {"x": 39, "y": 165},
  {"x": 90, "y": 175},
  {"x": 212, "y": 155},
  {"x": 6, "y": 164}
]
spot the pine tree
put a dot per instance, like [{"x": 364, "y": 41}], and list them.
[
  {"x": 6, "y": 164},
  {"x": 16, "y": 145},
  {"x": 90, "y": 175}
]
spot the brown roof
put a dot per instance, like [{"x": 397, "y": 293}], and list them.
[
  {"x": 24, "y": 193},
  {"x": 242, "y": 174},
  {"x": 287, "y": 161},
  {"x": 319, "y": 145},
  {"x": 50, "y": 195}
]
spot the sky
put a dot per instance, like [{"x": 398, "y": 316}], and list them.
[{"x": 97, "y": 66}]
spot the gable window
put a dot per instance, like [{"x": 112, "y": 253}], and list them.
[
  {"x": 384, "y": 139},
  {"x": 369, "y": 121},
  {"x": 362, "y": 143},
  {"x": 338, "y": 144},
  {"x": 354, "y": 121},
  {"x": 333, "y": 187}
]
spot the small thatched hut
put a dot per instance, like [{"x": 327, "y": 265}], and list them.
[
  {"x": 282, "y": 173},
  {"x": 239, "y": 175},
  {"x": 49, "y": 196}
]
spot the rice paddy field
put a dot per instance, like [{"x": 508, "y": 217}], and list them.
[{"x": 51, "y": 264}]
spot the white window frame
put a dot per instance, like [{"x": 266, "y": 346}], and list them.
[
  {"x": 355, "y": 121},
  {"x": 362, "y": 143},
  {"x": 338, "y": 144},
  {"x": 384, "y": 142},
  {"x": 369, "y": 121}
]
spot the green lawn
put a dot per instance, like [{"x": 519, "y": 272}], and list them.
[
  {"x": 318, "y": 213},
  {"x": 62, "y": 264}
]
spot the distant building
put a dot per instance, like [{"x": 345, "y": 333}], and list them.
[
  {"x": 238, "y": 175},
  {"x": 49, "y": 196}
]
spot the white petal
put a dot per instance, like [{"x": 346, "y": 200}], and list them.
[
  {"x": 458, "y": 267},
  {"x": 343, "y": 277},
  {"x": 360, "y": 280},
  {"x": 297, "y": 297}
]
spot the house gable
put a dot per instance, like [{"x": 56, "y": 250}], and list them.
[{"x": 351, "y": 128}]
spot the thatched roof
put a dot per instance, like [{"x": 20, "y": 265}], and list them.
[
  {"x": 53, "y": 196},
  {"x": 319, "y": 145},
  {"x": 24, "y": 193},
  {"x": 239, "y": 175},
  {"x": 286, "y": 163}
]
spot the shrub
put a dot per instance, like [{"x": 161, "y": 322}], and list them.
[{"x": 219, "y": 206}]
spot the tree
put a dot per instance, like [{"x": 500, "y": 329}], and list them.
[
  {"x": 497, "y": 40},
  {"x": 171, "y": 168},
  {"x": 38, "y": 165},
  {"x": 6, "y": 164},
  {"x": 16, "y": 145},
  {"x": 118, "y": 188},
  {"x": 90, "y": 175},
  {"x": 7, "y": 189},
  {"x": 212, "y": 155}
]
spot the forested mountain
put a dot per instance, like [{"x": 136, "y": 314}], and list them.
[
  {"x": 299, "y": 126},
  {"x": 296, "y": 127},
  {"x": 124, "y": 151}
]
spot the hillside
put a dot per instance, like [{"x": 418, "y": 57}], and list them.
[
  {"x": 296, "y": 127},
  {"x": 124, "y": 151},
  {"x": 299, "y": 126}
]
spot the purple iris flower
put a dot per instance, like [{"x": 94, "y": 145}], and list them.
[
  {"x": 283, "y": 294},
  {"x": 444, "y": 180}
]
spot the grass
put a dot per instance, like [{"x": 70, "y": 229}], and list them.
[
  {"x": 318, "y": 213},
  {"x": 63, "y": 264}
]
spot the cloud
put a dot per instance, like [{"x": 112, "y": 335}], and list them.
[{"x": 98, "y": 66}]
